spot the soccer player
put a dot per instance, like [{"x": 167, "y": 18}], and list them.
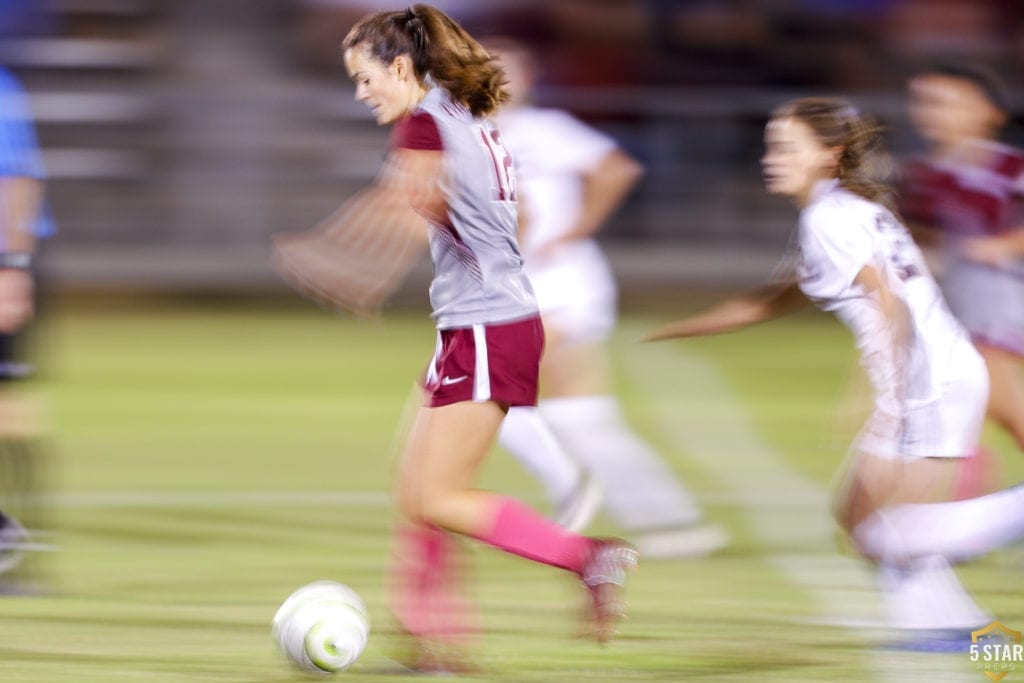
[
  {"x": 23, "y": 222},
  {"x": 421, "y": 73},
  {"x": 930, "y": 387},
  {"x": 969, "y": 191},
  {"x": 571, "y": 178}
]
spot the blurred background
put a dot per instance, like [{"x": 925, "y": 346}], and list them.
[
  {"x": 221, "y": 442},
  {"x": 180, "y": 134}
]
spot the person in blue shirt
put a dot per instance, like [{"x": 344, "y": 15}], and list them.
[{"x": 24, "y": 223}]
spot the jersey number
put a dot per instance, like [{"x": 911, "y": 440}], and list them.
[
  {"x": 503, "y": 169},
  {"x": 902, "y": 247}
]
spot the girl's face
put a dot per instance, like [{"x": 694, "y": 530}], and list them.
[
  {"x": 518, "y": 74},
  {"x": 389, "y": 90},
  {"x": 794, "y": 160},
  {"x": 947, "y": 111}
]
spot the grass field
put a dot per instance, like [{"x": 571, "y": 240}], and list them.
[{"x": 212, "y": 459}]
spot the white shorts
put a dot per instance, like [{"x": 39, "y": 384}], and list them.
[
  {"x": 947, "y": 427},
  {"x": 576, "y": 292}
]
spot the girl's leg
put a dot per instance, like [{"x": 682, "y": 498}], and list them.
[
  {"x": 526, "y": 435},
  {"x": 641, "y": 493},
  {"x": 1006, "y": 390},
  {"x": 427, "y": 599},
  {"x": 896, "y": 514},
  {"x": 903, "y": 510},
  {"x": 446, "y": 447},
  {"x": 426, "y": 586}
]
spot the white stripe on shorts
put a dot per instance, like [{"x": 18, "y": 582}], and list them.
[
  {"x": 482, "y": 372},
  {"x": 432, "y": 377}
]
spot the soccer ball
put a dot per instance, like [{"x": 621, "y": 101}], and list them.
[{"x": 322, "y": 627}]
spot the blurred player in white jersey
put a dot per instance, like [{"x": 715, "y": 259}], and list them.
[
  {"x": 577, "y": 442},
  {"x": 930, "y": 387},
  {"x": 969, "y": 190}
]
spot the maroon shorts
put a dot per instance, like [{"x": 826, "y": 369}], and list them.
[{"x": 487, "y": 362}]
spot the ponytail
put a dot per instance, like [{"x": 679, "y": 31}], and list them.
[{"x": 439, "y": 48}]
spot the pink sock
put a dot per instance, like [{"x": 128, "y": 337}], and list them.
[
  {"x": 521, "y": 531},
  {"x": 454, "y": 614},
  {"x": 977, "y": 473},
  {"x": 425, "y": 586}
]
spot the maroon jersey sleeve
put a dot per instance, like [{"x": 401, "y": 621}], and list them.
[
  {"x": 418, "y": 132},
  {"x": 918, "y": 188}
]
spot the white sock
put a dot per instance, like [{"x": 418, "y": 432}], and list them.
[
  {"x": 641, "y": 492},
  {"x": 957, "y": 530},
  {"x": 926, "y": 594},
  {"x": 528, "y": 438}
]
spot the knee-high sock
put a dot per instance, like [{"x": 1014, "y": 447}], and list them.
[
  {"x": 519, "y": 530},
  {"x": 426, "y": 585},
  {"x": 956, "y": 530},
  {"x": 641, "y": 492},
  {"x": 528, "y": 438}
]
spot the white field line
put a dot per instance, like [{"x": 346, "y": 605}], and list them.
[
  {"x": 697, "y": 410},
  {"x": 116, "y": 499}
]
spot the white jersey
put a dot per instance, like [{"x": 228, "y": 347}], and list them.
[
  {"x": 840, "y": 233},
  {"x": 554, "y": 152}
]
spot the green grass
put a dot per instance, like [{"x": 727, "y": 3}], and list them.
[{"x": 153, "y": 405}]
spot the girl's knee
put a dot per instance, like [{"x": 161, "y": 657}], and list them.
[{"x": 410, "y": 504}]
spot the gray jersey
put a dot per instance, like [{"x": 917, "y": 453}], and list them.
[{"x": 478, "y": 269}]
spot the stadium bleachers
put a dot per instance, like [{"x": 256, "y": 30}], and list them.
[{"x": 189, "y": 126}]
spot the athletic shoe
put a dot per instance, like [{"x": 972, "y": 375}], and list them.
[
  {"x": 695, "y": 540},
  {"x": 934, "y": 640},
  {"x": 604, "y": 576},
  {"x": 578, "y": 509},
  {"x": 431, "y": 656}
]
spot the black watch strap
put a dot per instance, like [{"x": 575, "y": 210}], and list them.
[{"x": 16, "y": 260}]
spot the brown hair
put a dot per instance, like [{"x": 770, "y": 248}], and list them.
[
  {"x": 980, "y": 77},
  {"x": 864, "y": 164},
  {"x": 439, "y": 48}
]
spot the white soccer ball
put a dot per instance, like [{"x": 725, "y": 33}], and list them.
[{"x": 322, "y": 627}]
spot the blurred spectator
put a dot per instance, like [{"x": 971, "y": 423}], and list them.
[
  {"x": 930, "y": 29},
  {"x": 25, "y": 17},
  {"x": 24, "y": 221}
]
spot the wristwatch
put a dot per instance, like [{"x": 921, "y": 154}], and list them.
[{"x": 16, "y": 260}]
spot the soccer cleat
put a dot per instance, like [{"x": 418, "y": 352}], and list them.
[
  {"x": 933, "y": 640},
  {"x": 604, "y": 576},
  {"x": 432, "y": 656},
  {"x": 578, "y": 509}
]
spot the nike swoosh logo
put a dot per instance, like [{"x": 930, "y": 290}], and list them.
[{"x": 452, "y": 380}]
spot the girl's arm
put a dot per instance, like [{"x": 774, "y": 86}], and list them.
[
  {"x": 604, "y": 190},
  {"x": 998, "y": 250},
  {"x": 356, "y": 258},
  {"x": 761, "y": 304},
  {"x": 894, "y": 309},
  {"x": 419, "y": 181}
]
